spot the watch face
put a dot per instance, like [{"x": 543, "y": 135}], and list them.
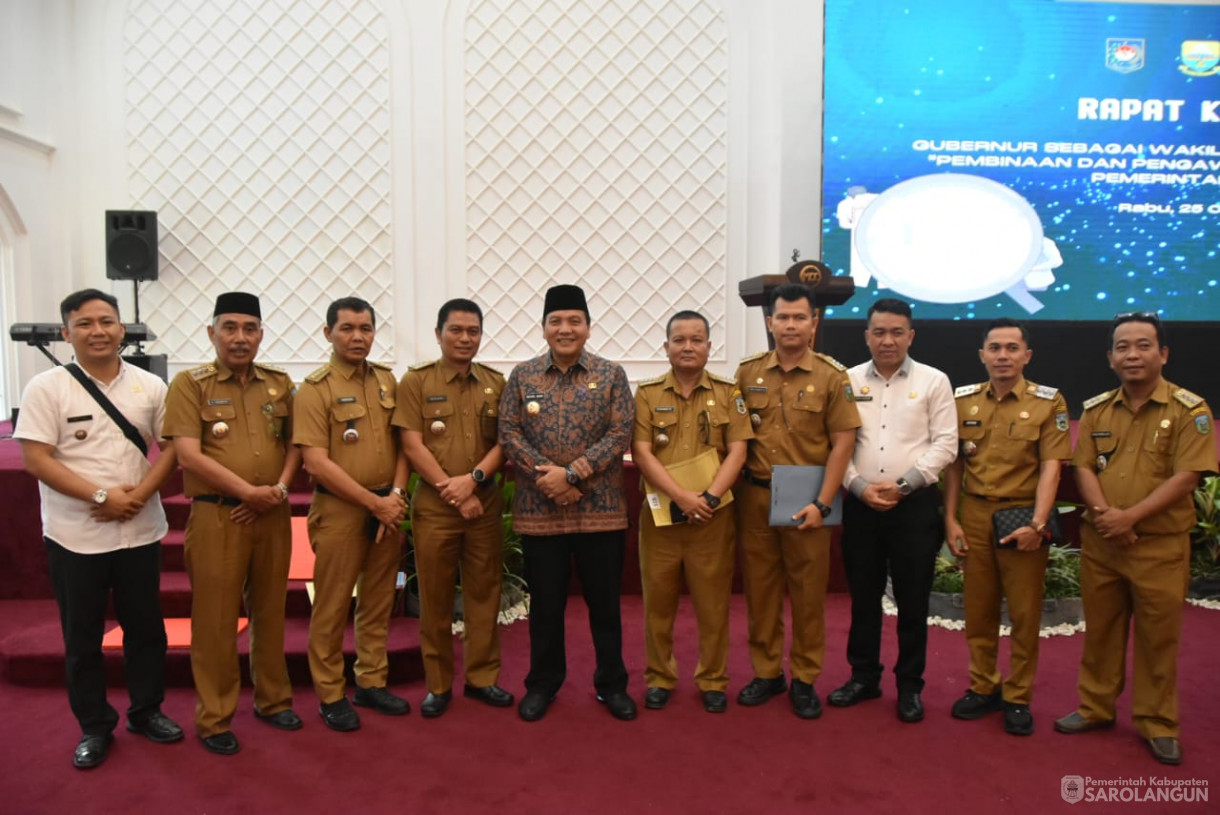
[{"x": 479, "y": 476}]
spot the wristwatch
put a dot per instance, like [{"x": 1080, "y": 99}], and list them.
[
  {"x": 478, "y": 475},
  {"x": 573, "y": 478},
  {"x": 822, "y": 508},
  {"x": 283, "y": 491},
  {"x": 400, "y": 492},
  {"x": 99, "y": 497},
  {"x": 904, "y": 487},
  {"x": 712, "y": 500}
]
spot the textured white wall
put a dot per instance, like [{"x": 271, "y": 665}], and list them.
[{"x": 655, "y": 151}]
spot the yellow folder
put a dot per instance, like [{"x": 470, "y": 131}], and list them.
[{"x": 693, "y": 474}]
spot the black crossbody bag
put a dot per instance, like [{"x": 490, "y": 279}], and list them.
[{"x": 129, "y": 430}]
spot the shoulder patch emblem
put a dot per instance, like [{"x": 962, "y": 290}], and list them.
[
  {"x": 203, "y": 372},
  {"x": 1098, "y": 399},
  {"x": 1203, "y": 424},
  {"x": 1187, "y": 398},
  {"x": 1045, "y": 392},
  {"x": 967, "y": 390},
  {"x": 834, "y": 363},
  {"x": 318, "y": 375}
]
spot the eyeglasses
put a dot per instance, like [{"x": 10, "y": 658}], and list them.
[{"x": 1142, "y": 316}]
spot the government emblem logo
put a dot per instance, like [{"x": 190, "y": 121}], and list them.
[
  {"x": 1200, "y": 58},
  {"x": 1071, "y": 788},
  {"x": 1124, "y": 55}
]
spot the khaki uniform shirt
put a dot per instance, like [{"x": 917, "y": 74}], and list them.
[
  {"x": 679, "y": 429},
  {"x": 1134, "y": 453},
  {"x": 339, "y": 397},
  {"x": 245, "y": 429},
  {"x": 458, "y": 416},
  {"x": 1004, "y": 443},
  {"x": 797, "y": 410}
]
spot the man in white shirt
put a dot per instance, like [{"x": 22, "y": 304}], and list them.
[
  {"x": 102, "y": 519},
  {"x": 891, "y": 516}
]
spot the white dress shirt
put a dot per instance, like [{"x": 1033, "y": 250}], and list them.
[
  {"x": 908, "y": 426},
  {"x": 57, "y": 410}
]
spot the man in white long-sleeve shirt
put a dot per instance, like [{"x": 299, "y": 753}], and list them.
[{"x": 891, "y": 517}]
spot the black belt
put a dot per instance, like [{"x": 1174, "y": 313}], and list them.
[
  {"x": 382, "y": 491},
  {"x": 758, "y": 482},
  {"x": 995, "y": 499},
  {"x": 223, "y": 500}
]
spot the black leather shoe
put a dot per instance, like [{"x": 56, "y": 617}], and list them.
[
  {"x": 656, "y": 698},
  {"x": 492, "y": 695},
  {"x": 853, "y": 691},
  {"x": 340, "y": 716},
  {"x": 284, "y": 720},
  {"x": 158, "y": 727},
  {"x": 620, "y": 705},
  {"x": 1167, "y": 750},
  {"x": 222, "y": 744},
  {"x": 382, "y": 701},
  {"x": 1075, "y": 723},
  {"x": 760, "y": 690},
  {"x": 715, "y": 701},
  {"x": 434, "y": 704},
  {"x": 1018, "y": 720},
  {"x": 976, "y": 705},
  {"x": 91, "y": 750},
  {"x": 533, "y": 706},
  {"x": 805, "y": 702},
  {"x": 910, "y": 707}
]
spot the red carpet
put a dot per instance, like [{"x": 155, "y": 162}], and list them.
[{"x": 580, "y": 760}]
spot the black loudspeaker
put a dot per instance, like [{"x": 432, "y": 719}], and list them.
[
  {"x": 131, "y": 245},
  {"x": 153, "y": 363}
]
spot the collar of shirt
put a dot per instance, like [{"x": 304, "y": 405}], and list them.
[
  {"x": 582, "y": 362},
  {"x": 671, "y": 382},
  {"x": 1018, "y": 390},
  {"x": 346, "y": 369},
  {"x": 1160, "y": 395},
  {"x": 450, "y": 373},
  {"x": 225, "y": 372},
  {"x": 805, "y": 363},
  {"x": 904, "y": 370},
  {"x": 105, "y": 386}
]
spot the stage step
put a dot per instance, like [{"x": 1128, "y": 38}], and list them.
[
  {"x": 34, "y": 656},
  {"x": 176, "y": 597}
]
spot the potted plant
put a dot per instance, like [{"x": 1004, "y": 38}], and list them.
[
  {"x": 1205, "y": 541},
  {"x": 1061, "y": 593}
]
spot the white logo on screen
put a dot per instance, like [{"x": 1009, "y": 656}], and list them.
[{"x": 1071, "y": 787}]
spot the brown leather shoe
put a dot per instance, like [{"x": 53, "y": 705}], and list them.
[
  {"x": 1166, "y": 749},
  {"x": 1075, "y": 723}
]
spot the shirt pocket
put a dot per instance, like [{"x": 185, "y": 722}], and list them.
[
  {"x": 663, "y": 425},
  {"x": 1020, "y": 443},
  {"x": 218, "y": 421},
  {"x": 806, "y": 413},
  {"x": 489, "y": 419},
  {"x": 718, "y": 427},
  {"x": 762, "y": 405},
  {"x": 1158, "y": 451},
  {"x": 438, "y": 419},
  {"x": 345, "y": 416}
]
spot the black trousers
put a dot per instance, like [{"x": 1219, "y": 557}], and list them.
[
  {"x": 548, "y": 570},
  {"x": 903, "y": 541},
  {"x": 83, "y": 587}
]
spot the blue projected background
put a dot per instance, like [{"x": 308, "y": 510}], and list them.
[{"x": 1103, "y": 118}]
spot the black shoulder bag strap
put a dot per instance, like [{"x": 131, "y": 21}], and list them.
[{"x": 129, "y": 430}]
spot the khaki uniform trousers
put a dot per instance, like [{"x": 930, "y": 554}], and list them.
[
  {"x": 991, "y": 575},
  {"x": 705, "y": 554},
  {"x": 229, "y": 563},
  {"x": 345, "y": 559},
  {"x": 1147, "y": 580},
  {"x": 774, "y": 559},
  {"x": 445, "y": 541}
]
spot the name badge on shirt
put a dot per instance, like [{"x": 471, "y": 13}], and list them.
[
  {"x": 862, "y": 398},
  {"x": 220, "y": 401},
  {"x": 971, "y": 423},
  {"x": 88, "y": 417},
  {"x": 1100, "y": 434},
  {"x": 664, "y": 409},
  {"x": 438, "y": 398},
  {"x": 757, "y": 388},
  {"x": 346, "y": 400}
]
